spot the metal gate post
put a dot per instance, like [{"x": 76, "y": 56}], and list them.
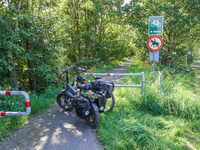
[
  {"x": 27, "y": 103},
  {"x": 160, "y": 78},
  {"x": 142, "y": 82}
]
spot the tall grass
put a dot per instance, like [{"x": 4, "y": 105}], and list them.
[{"x": 154, "y": 120}]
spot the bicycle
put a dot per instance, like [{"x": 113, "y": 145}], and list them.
[
  {"x": 86, "y": 107},
  {"x": 156, "y": 23}
]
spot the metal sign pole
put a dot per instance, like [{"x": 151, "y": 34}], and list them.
[{"x": 153, "y": 63}]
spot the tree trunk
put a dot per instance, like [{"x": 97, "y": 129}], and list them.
[
  {"x": 13, "y": 74},
  {"x": 19, "y": 74},
  {"x": 32, "y": 81}
]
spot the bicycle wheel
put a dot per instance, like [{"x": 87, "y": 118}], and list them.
[
  {"x": 110, "y": 102},
  {"x": 152, "y": 25},
  {"x": 65, "y": 102},
  {"x": 94, "y": 118}
]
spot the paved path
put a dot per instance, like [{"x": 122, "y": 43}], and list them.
[
  {"x": 58, "y": 130},
  {"x": 122, "y": 68}
]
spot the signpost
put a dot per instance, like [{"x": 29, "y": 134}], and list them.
[
  {"x": 154, "y": 44},
  {"x": 156, "y": 25}
]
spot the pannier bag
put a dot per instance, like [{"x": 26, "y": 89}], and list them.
[
  {"x": 99, "y": 86},
  {"x": 82, "y": 107},
  {"x": 101, "y": 102},
  {"x": 110, "y": 87}
]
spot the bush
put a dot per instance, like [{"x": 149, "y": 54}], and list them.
[{"x": 89, "y": 63}]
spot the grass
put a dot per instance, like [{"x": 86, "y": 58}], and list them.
[
  {"x": 38, "y": 105},
  {"x": 169, "y": 120}
]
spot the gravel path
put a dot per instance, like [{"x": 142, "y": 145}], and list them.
[{"x": 58, "y": 130}]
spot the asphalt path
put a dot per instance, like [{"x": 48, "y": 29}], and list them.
[{"x": 55, "y": 129}]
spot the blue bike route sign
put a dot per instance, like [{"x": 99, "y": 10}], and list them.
[{"x": 156, "y": 25}]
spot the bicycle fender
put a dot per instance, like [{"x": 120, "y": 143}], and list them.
[
  {"x": 69, "y": 94},
  {"x": 94, "y": 106}
]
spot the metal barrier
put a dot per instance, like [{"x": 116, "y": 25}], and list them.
[
  {"x": 27, "y": 103},
  {"x": 160, "y": 79},
  {"x": 121, "y": 74}
]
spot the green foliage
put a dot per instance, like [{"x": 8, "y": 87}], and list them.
[
  {"x": 89, "y": 63},
  {"x": 154, "y": 120},
  {"x": 27, "y": 46},
  {"x": 92, "y": 30}
]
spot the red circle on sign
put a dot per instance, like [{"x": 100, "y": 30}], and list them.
[{"x": 159, "y": 45}]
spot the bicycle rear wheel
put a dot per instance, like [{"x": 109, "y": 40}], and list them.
[{"x": 110, "y": 102}]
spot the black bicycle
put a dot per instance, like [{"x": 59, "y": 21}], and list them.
[{"x": 88, "y": 99}]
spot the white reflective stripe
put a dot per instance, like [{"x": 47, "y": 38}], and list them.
[
  {"x": 14, "y": 113},
  {"x": 28, "y": 111},
  {"x": 113, "y": 74},
  {"x": 2, "y": 92},
  {"x": 127, "y": 85}
]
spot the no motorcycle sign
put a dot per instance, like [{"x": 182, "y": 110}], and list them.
[{"x": 154, "y": 43}]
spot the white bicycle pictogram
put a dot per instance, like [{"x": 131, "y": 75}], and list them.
[{"x": 156, "y": 23}]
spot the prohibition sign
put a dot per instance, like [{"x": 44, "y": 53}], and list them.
[{"x": 155, "y": 43}]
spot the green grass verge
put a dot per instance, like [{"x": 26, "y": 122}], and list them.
[
  {"x": 169, "y": 120},
  {"x": 38, "y": 104}
]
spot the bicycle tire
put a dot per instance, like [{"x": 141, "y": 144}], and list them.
[
  {"x": 152, "y": 25},
  {"x": 94, "y": 118},
  {"x": 110, "y": 102},
  {"x": 64, "y": 102}
]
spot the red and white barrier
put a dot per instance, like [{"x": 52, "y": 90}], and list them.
[
  {"x": 121, "y": 74},
  {"x": 27, "y": 103}
]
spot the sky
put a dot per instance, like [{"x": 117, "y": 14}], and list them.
[{"x": 126, "y": 1}]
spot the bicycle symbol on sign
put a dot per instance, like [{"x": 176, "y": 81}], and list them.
[{"x": 156, "y": 23}]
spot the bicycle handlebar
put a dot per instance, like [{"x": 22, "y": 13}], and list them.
[{"x": 75, "y": 68}]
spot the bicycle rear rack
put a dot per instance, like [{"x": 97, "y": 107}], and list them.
[{"x": 27, "y": 103}]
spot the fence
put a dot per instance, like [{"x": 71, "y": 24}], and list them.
[
  {"x": 121, "y": 74},
  {"x": 27, "y": 103}
]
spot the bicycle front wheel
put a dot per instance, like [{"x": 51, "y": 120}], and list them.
[
  {"x": 110, "y": 102},
  {"x": 65, "y": 102}
]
